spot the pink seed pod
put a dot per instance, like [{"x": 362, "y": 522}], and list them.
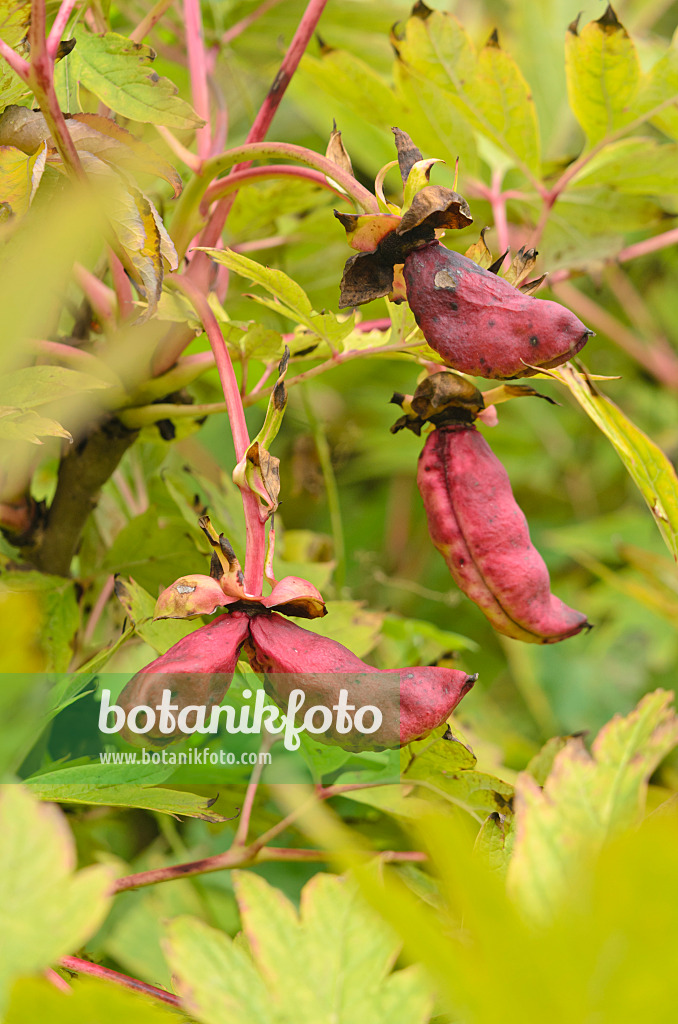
[
  {"x": 197, "y": 670},
  {"x": 482, "y": 534},
  {"x": 482, "y": 325},
  {"x": 412, "y": 701}
]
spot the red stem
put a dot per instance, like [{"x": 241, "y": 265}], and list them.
[
  {"x": 224, "y": 186},
  {"x": 74, "y": 963},
  {"x": 235, "y": 30},
  {"x": 59, "y": 27},
  {"x": 255, "y": 554},
  {"x": 200, "y": 264},
  {"x": 197, "y": 66}
]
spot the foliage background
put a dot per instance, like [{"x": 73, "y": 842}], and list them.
[{"x": 586, "y": 516}]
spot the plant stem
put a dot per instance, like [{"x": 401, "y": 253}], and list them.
[
  {"x": 498, "y": 204},
  {"x": 191, "y": 197},
  {"x": 59, "y": 27},
  {"x": 78, "y": 966},
  {"x": 236, "y": 179},
  {"x": 197, "y": 66},
  {"x": 240, "y": 838},
  {"x": 256, "y": 530},
  {"x": 235, "y": 30},
  {"x": 149, "y": 21},
  {"x": 20, "y": 66}
]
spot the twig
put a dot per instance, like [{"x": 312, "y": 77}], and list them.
[
  {"x": 97, "y": 610},
  {"x": 149, "y": 21},
  {"x": 197, "y": 66},
  {"x": 240, "y": 26},
  {"x": 78, "y": 966},
  {"x": 240, "y": 838},
  {"x": 59, "y": 27}
]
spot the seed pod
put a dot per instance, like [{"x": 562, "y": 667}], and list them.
[
  {"x": 197, "y": 670},
  {"x": 412, "y": 701},
  {"x": 480, "y": 324},
  {"x": 482, "y": 534}
]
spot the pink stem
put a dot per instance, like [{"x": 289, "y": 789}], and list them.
[
  {"x": 17, "y": 63},
  {"x": 256, "y": 533},
  {"x": 262, "y": 122},
  {"x": 197, "y": 66},
  {"x": 648, "y": 245},
  {"x": 224, "y": 186},
  {"x": 498, "y": 203},
  {"x": 125, "y": 492},
  {"x": 121, "y": 286},
  {"x": 74, "y": 963},
  {"x": 235, "y": 30},
  {"x": 98, "y": 608},
  {"x": 58, "y": 982},
  {"x": 59, "y": 26},
  {"x": 149, "y": 21},
  {"x": 190, "y": 159}
]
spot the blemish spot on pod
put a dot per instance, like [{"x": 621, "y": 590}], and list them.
[
  {"x": 412, "y": 701},
  {"x": 480, "y": 324},
  {"x": 482, "y": 534},
  {"x": 197, "y": 671}
]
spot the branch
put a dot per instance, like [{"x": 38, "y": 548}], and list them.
[
  {"x": 78, "y": 966},
  {"x": 149, "y": 21},
  {"x": 20, "y": 66},
  {"x": 59, "y": 27},
  {"x": 235, "y": 30},
  {"x": 197, "y": 66},
  {"x": 236, "y": 179},
  {"x": 82, "y": 473}
]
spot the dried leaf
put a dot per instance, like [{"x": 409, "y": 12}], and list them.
[
  {"x": 408, "y": 154},
  {"x": 336, "y": 151},
  {"x": 436, "y": 207},
  {"x": 479, "y": 252},
  {"x": 366, "y": 277},
  {"x": 522, "y": 264}
]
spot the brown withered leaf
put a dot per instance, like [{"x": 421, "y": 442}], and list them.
[
  {"x": 263, "y": 477},
  {"x": 521, "y": 265},
  {"x": 336, "y": 151},
  {"x": 436, "y": 207},
  {"x": 366, "y": 277},
  {"x": 479, "y": 252},
  {"x": 408, "y": 154}
]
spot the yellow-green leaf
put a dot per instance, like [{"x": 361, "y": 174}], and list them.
[
  {"x": 603, "y": 73},
  {"x": 20, "y": 176},
  {"x": 648, "y": 466},
  {"x": 15, "y": 16},
  {"x": 586, "y": 799},
  {"x": 657, "y": 96},
  {"x": 46, "y": 910},
  {"x": 119, "y": 73}
]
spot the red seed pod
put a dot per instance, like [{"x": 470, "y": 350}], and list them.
[
  {"x": 197, "y": 670},
  {"x": 482, "y": 534},
  {"x": 412, "y": 701},
  {"x": 481, "y": 324}
]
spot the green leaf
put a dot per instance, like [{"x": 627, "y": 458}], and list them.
[
  {"x": 487, "y": 89},
  {"x": 603, "y": 73},
  {"x": 36, "y": 999},
  {"x": 276, "y": 282},
  {"x": 46, "y": 910},
  {"x": 328, "y": 964},
  {"x": 16, "y": 425},
  {"x": 586, "y": 799},
  {"x": 100, "y": 792},
  {"x": 39, "y": 385},
  {"x": 118, "y": 72},
  {"x": 341, "y": 74},
  {"x": 494, "y": 842},
  {"x": 349, "y": 623},
  {"x": 648, "y": 466}
]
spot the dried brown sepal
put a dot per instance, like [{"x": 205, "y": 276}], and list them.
[
  {"x": 479, "y": 251},
  {"x": 366, "y": 277},
  {"x": 436, "y": 207},
  {"x": 408, "y": 154},
  {"x": 495, "y": 267},
  {"x": 530, "y": 287},
  {"x": 336, "y": 151},
  {"x": 262, "y": 473},
  {"x": 522, "y": 264},
  {"x": 441, "y": 398}
]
